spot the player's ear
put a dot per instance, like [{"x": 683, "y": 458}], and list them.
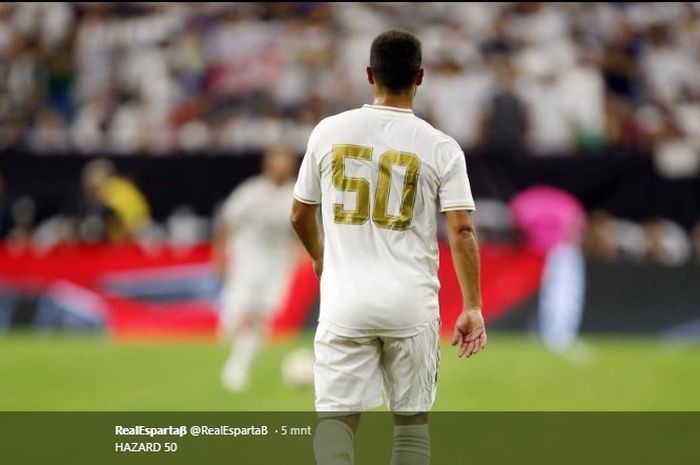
[
  {"x": 370, "y": 75},
  {"x": 419, "y": 77}
]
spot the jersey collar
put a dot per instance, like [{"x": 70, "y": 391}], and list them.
[{"x": 388, "y": 108}]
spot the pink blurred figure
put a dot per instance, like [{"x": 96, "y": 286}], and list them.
[{"x": 553, "y": 221}]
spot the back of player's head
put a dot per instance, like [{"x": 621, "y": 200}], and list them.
[{"x": 395, "y": 58}]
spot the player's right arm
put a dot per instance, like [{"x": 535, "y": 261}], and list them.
[
  {"x": 307, "y": 197},
  {"x": 305, "y": 222},
  {"x": 470, "y": 331}
]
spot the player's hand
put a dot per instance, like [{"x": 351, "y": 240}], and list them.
[
  {"x": 318, "y": 267},
  {"x": 470, "y": 333}
]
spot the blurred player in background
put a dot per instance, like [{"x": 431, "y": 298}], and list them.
[
  {"x": 381, "y": 175},
  {"x": 553, "y": 221},
  {"x": 254, "y": 253}
]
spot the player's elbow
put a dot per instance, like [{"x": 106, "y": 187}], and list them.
[
  {"x": 463, "y": 228},
  {"x": 462, "y": 232},
  {"x": 295, "y": 220},
  {"x": 460, "y": 225},
  {"x": 298, "y": 216}
]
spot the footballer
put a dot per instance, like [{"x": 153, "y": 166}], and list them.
[
  {"x": 254, "y": 254},
  {"x": 381, "y": 175}
]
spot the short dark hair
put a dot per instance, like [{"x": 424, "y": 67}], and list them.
[{"x": 395, "y": 58}]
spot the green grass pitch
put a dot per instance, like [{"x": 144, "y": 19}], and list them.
[{"x": 513, "y": 373}]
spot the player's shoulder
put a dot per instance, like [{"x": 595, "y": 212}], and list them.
[
  {"x": 329, "y": 127},
  {"x": 436, "y": 136},
  {"x": 253, "y": 181},
  {"x": 334, "y": 121},
  {"x": 251, "y": 184}
]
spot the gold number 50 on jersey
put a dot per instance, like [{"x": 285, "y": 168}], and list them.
[{"x": 361, "y": 187}]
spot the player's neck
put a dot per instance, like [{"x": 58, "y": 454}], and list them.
[{"x": 394, "y": 100}]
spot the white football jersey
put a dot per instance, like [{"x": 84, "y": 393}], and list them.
[
  {"x": 261, "y": 238},
  {"x": 381, "y": 175}
]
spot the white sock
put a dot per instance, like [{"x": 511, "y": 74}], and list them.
[
  {"x": 411, "y": 445},
  {"x": 333, "y": 443},
  {"x": 245, "y": 348}
]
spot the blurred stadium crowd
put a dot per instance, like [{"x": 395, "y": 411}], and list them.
[
  {"x": 505, "y": 79},
  {"x": 205, "y": 77}
]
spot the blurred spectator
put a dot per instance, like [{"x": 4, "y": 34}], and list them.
[
  {"x": 609, "y": 238},
  {"x": 695, "y": 239},
  {"x": 506, "y": 124},
  {"x": 114, "y": 208},
  {"x": 675, "y": 154},
  {"x": 23, "y": 220},
  {"x": 17, "y": 217},
  {"x": 50, "y": 133},
  {"x": 620, "y": 68},
  {"x": 667, "y": 242},
  {"x": 185, "y": 229},
  {"x": 551, "y": 129},
  {"x": 600, "y": 240},
  {"x": 125, "y": 78},
  {"x": 5, "y": 214},
  {"x": 584, "y": 94}
]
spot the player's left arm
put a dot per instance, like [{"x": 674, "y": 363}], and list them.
[
  {"x": 470, "y": 331},
  {"x": 457, "y": 202},
  {"x": 304, "y": 220}
]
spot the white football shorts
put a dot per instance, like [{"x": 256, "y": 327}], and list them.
[{"x": 350, "y": 374}]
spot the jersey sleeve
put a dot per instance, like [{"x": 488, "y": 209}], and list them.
[
  {"x": 455, "y": 192},
  {"x": 308, "y": 186}
]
